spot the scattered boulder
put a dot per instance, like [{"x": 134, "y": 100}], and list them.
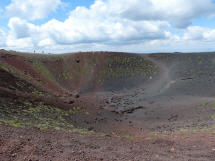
[
  {"x": 71, "y": 102},
  {"x": 12, "y": 88},
  {"x": 90, "y": 128},
  {"x": 77, "y": 96},
  {"x": 131, "y": 109},
  {"x": 173, "y": 118},
  {"x": 77, "y": 60}
]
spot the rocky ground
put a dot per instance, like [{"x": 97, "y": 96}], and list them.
[{"x": 33, "y": 144}]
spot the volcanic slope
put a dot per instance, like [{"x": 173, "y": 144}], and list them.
[
  {"x": 129, "y": 106},
  {"x": 66, "y": 91},
  {"x": 180, "y": 96},
  {"x": 156, "y": 91}
]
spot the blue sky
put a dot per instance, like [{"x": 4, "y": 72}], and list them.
[{"x": 107, "y": 25}]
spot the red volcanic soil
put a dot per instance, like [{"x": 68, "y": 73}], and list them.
[
  {"x": 107, "y": 106},
  {"x": 34, "y": 144},
  {"x": 23, "y": 66}
]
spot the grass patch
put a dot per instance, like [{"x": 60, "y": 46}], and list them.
[
  {"x": 128, "y": 137},
  {"x": 186, "y": 137},
  {"x": 204, "y": 104},
  {"x": 149, "y": 138},
  {"x": 213, "y": 117},
  {"x": 67, "y": 75},
  {"x": 43, "y": 70},
  {"x": 213, "y": 132},
  {"x": 28, "y": 114},
  {"x": 213, "y": 60},
  {"x": 4, "y": 67}
]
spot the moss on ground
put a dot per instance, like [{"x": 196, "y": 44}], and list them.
[
  {"x": 204, "y": 104},
  {"x": 4, "y": 67},
  {"x": 213, "y": 117},
  {"x": 128, "y": 66},
  {"x": 21, "y": 78},
  {"x": 67, "y": 75},
  {"x": 28, "y": 114},
  {"x": 40, "y": 67}
]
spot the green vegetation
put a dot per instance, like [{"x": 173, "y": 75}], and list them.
[
  {"x": 40, "y": 67},
  {"x": 39, "y": 115},
  {"x": 128, "y": 66},
  {"x": 4, "y": 67},
  {"x": 186, "y": 137},
  {"x": 213, "y": 117},
  {"x": 213, "y": 60},
  {"x": 67, "y": 75},
  {"x": 94, "y": 69},
  {"x": 19, "y": 75},
  {"x": 201, "y": 119},
  {"x": 149, "y": 138},
  {"x": 198, "y": 129},
  {"x": 128, "y": 137},
  {"x": 204, "y": 104},
  {"x": 99, "y": 69},
  {"x": 18, "y": 83},
  {"x": 121, "y": 67}
]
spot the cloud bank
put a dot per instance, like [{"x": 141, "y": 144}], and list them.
[
  {"x": 125, "y": 25},
  {"x": 32, "y": 9}
]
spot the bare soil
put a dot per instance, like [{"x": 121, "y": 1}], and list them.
[{"x": 33, "y": 144}]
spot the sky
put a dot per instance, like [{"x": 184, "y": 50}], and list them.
[{"x": 138, "y": 26}]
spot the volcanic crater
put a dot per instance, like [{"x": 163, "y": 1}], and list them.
[{"x": 91, "y": 102}]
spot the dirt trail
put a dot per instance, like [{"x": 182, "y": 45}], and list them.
[
  {"x": 150, "y": 90},
  {"x": 161, "y": 82}
]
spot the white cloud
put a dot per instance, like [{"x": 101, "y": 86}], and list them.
[
  {"x": 32, "y": 9},
  {"x": 86, "y": 30},
  {"x": 19, "y": 28},
  {"x": 122, "y": 25},
  {"x": 93, "y": 30},
  {"x": 19, "y": 43},
  {"x": 181, "y": 12},
  {"x": 24, "y": 34},
  {"x": 199, "y": 33}
]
